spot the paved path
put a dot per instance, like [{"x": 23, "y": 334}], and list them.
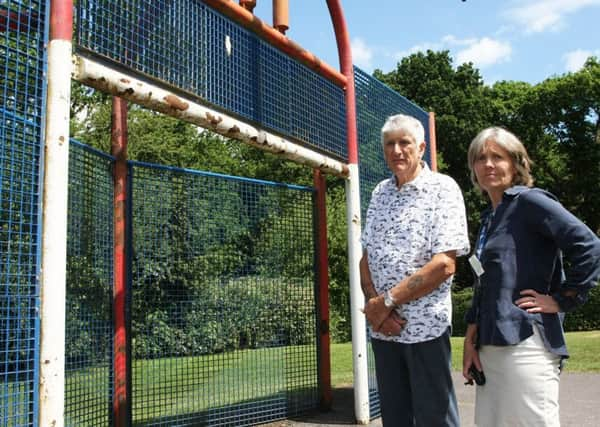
[{"x": 579, "y": 397}]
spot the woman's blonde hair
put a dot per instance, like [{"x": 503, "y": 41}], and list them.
[{"x": 511, "y": 144}]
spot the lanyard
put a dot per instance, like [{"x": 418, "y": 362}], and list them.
[{"x": 483, "y": 234}]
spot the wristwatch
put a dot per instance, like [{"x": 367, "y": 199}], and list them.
[{"x": 388, "y": 300}]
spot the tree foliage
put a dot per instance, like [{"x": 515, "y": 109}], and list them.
[{"x": 557, "y": 120}]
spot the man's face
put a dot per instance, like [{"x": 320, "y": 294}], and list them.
[{"x": 403, "y": 155}]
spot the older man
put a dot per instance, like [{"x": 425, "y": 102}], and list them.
[{"x": 415, "y": 229}]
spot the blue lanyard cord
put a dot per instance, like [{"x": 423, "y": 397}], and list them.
[{"x": 483, "y": 234}]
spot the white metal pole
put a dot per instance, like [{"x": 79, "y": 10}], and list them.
[
  {"x": 54, "y": 236},
  {"x": 115, "y": 82},
  {"x": 359, "y": 332}
]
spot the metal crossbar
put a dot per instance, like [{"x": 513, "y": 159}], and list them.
[
  {"x": 189, "y": 46},
  {"x": 22, "y": 39}
]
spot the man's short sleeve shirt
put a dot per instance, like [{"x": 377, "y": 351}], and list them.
[{"x": 405, "y": 227}]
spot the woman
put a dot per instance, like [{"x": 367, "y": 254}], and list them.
[{"x": 514, "y": 334}]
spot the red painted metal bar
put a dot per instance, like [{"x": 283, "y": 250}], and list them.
[
  {"x": 249, "y": 5},
  {"x": 432, "y": 142},
  {"x": 119, "y": 151},
  {"x": 274, "y": 37},
  {"x": 347, "y": 69},
  {"x": 61, "y": 20},
  {"x": 281, "y": 20},
  {"x": 359, "y": 338},
  {"x": 323, "y": 285}
]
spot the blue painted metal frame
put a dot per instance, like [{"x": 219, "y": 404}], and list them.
[
  {"x": 22, "y": 117},
  {"x": 182, "y": 44},
  {"x": 89, "y": 320},
  {"x": 181, "y": 217}
]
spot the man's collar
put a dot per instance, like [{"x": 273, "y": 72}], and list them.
[{"x": 419, "y": 182}]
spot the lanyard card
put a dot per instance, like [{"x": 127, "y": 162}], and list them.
[{"x": 476, "y": 265}]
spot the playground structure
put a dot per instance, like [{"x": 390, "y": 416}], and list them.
[{"x": 214, "y": 64}]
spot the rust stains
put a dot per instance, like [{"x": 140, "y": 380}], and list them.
[
  {"x": 125, "y": 93},
  {"x": 176, "y": 102},
  {"x": 234, "y": 130},
  {"x": 212, "y": 119}
]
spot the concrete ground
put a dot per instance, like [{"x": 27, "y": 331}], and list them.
[{"x": 579, "y": 396}]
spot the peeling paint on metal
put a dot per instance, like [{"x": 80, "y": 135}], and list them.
[{"x": 176, "y": 102}]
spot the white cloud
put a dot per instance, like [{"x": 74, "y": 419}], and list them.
[
  {"x": 536, "y": 16},
  {"x": 484, "y": 52},
  {"x": 361, "y": 53},
  {"x": 481, "y": 52},
  {"x": 451, "y": 40},
  {"x": 422, "y": 47},
  {"x": 575, "y": 59}
]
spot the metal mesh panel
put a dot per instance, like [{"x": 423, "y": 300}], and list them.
[
  {"x": 22, "y": 40},
  {"x": 183, "y": 44},
  {"x": 223, "y": 300},
  {"x": 89, "y": 330},
  {"x": 375, "y": 102}
]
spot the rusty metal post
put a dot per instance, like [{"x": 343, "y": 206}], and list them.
[
  {"x": 249, "y": 5},
  {"x": 281, "y": 15},
  {"x": 119, "y": 151},
  {"x": 323, "y": 290},
  {"x": 432, "y": 142},
  {"x": 359, "y": 335}
]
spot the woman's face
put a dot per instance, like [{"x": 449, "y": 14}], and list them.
[{"x": 494, "y": 169}]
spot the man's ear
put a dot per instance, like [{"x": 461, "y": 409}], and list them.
[{"x": 422, "y": 146}]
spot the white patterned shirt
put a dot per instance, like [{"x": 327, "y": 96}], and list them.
[{"x": 405, "y": 228}]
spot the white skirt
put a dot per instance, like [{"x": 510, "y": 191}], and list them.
[{"x": 521, "y": 386}]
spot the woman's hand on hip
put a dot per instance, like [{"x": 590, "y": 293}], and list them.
[{"x": 534, "y": 302}]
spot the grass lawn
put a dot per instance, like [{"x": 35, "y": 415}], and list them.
[{"x": 584, "y": 348}]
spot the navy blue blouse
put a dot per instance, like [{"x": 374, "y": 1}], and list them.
[{"x": 529, "y": 236}]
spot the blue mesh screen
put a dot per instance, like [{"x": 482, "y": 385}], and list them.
[
  {"x": 89, "y": 329},
  {"x": 222, "y": 300},
  {"x": 22, "y": 42},
  {"x": 183, "y": 44},
  {"x": 375, "y": 102}
]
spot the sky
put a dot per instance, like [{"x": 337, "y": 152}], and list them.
[{"x": 521, "y": 40}]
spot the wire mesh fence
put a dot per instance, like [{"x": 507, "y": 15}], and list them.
[
  {"x": 89, "y": 325},
  {"x": 194, "y": 49},
  {"x": 222, "y": 299},
  {"x": 375, "y": 102},
  {"x": 22, "y": 40}
]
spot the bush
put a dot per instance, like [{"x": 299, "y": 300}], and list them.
[
  {"x": 461, "y": 302},
  {"x": 247, "y": 312},
  {"x": 584, "y": 318}
]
